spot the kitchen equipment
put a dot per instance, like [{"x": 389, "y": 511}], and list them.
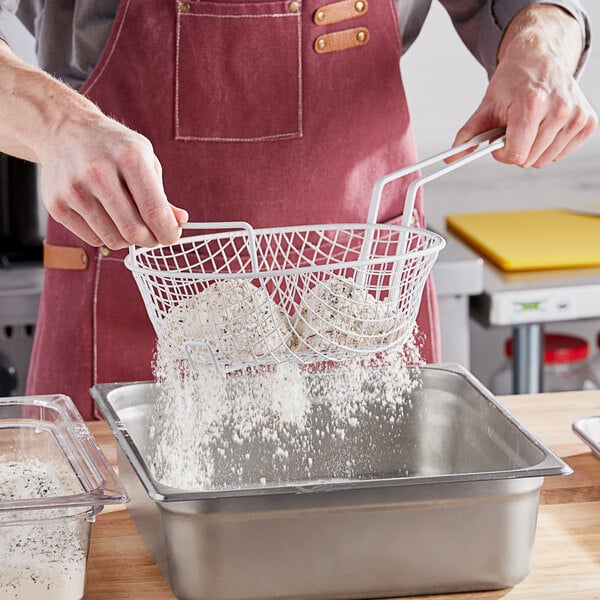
[
  {"x": 54, "y": 480},
  {"x": 565, "y": 365},
  {"x": 445, "y": 500},
  {"x": 302, "y": 294},
  {"x": 20, "y": 292},
  {"x": 531, "y": 239},
  {"x": 588, "y": 429},
  {"x": 591, "y": 211},
  {"x": 21, "y": 212},
  {"x": 594, "y": 366},
  {"x": 8, "y": 377}
]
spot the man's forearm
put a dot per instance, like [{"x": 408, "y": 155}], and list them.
[
  {"x": 99, "y": 179},
  {"x": 544, "y": 30},
  {"x": 33, "y": 107}
]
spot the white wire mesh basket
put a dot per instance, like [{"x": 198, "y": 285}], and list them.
[{"x": 232, "y": 296}]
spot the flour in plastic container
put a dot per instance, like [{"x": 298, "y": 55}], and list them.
[{"x": 42, "y": 552}]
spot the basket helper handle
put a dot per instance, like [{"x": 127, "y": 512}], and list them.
[
  {"x": 218, "y": 225},
  {"x": 225, "y": 225},
  {"x": 411, "y": 192}
]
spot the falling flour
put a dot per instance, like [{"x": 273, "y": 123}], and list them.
[
  {"x": 277, "y": 424},
  {"x": 42, "y": 557},
  {"x": 280, "y": 424},
  {"x": 201, "y": 418}
]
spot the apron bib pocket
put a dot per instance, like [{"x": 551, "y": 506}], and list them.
[{"x": 238, "y": 73}]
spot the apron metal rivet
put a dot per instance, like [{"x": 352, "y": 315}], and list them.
[
  {"x": 104, "y": 251},
  {"x": 320, "y": 16},
  {"x": 293, "y": 6},
  {"x": 84, "y": 258},
  {"x": 359, "y": 6},
  {"x": 184, "y": 7},
  {"x": 361, "y": 36},
  {"x": 321, "y": 44}
]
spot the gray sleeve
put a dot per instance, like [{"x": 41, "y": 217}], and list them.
[{"x": 481, "y": 24}]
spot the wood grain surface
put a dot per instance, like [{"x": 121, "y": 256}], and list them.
[{"x": 567, "y": 549}]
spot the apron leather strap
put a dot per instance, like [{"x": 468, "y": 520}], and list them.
[
  {"x": 340, "y": 11},
  {"x": 341, "y": 40},
  {"x": 65, "y": 257}
]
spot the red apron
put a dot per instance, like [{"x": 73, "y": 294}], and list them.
[{"x": 275, "y": 113}]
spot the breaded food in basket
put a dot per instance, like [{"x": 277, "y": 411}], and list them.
[
  {"x": 238, "y": 319},
  {"x": 338, "y": 312}
]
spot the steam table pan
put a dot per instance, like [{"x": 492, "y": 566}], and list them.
[{"x": 445, "y": 500}]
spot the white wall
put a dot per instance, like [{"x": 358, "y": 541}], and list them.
[{"x": 444, "y": 85}]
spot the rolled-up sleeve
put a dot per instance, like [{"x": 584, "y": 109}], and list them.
[
  {"x": 482, "y": 23},
  {"x": 7, "y": 9}
]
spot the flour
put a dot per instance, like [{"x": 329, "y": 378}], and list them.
[
  {"x": 277, "y": 425},
  {"x": 202, "y": 416},
  {"x": 43, "y": 556}
]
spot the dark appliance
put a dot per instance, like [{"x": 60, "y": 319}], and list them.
[
  {"x": 8, "y": 377},
  {"x": 22, "y": 230},
  {"x": 21, "y": 221}
]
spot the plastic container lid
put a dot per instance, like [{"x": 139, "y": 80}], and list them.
[
  {"x": 49, "y": 432},
  {"x": 558, "y": 349}
]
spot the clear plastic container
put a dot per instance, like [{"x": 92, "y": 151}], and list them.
[
  {"x": 54, "y": 480},
  {"x": 566, "y": 365}
]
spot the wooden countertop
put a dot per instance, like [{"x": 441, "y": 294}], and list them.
[{"x": 567, "y": 549}]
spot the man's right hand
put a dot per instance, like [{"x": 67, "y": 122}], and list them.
[
  {"x": 103, "y": 182},
  {"x": 99, "y": 179}
]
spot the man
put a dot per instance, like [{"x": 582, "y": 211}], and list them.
[{"x": 276, "y": 113}]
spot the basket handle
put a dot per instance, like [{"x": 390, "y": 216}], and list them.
[
  {"x": 233, "y": 225},
  {"x": 411, "y": 192}
]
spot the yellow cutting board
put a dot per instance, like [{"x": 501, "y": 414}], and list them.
[{"x": 531, "y": 239}]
